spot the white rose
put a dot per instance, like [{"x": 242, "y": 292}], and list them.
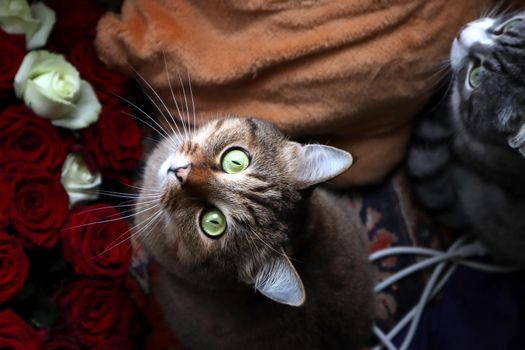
[
  {"x": 80, "y": 184},
  {"x": 52, "y": 88},
  {"x": 35, "y": 21}
]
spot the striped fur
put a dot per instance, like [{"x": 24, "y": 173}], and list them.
[
  {"x": 467, "y": 159},
  {"x": 282, "y": 233}
]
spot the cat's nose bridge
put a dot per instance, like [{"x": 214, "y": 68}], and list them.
[
  {"x": 199, "y": 176},
  {"x": 476, "y": 33},
  {"x": 472, "y": 35}
]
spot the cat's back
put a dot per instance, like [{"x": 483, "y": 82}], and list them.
[
  {"x": 334, "y": 260},
  {"x": 329, "y": 253}
]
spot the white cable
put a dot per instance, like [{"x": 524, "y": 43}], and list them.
[
  {"x": 410, "y": 315},
  {"x": 434, "y": 252},
  {"x": 425, "y": 297},
  {"x": 429, "y": 290},
  {"x": 402, "y": 250},
  {"x": 458, "y": 253},
  {"x": 384, "y": 339},
  {"x": 471, "y": 249}
]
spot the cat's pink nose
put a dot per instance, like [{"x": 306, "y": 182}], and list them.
[{"x": 181, "y": 172}]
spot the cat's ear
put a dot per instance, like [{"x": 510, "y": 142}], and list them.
[
  {"x": 279, "y": 281},
  {"x": 317, "y": 163},
  {"x": 518, "y": 140}
]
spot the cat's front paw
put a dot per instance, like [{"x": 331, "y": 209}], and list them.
[
  {"x": 429, "y": 151},
  {"x": 424, "y": 161},
  {"x": 517, "y": 141}
]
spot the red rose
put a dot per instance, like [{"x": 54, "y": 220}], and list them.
[
  {"x": 97, "y": 249},
  {"x": 115, "y": 140},
  {"x": 14, "y": 267},
  {"x": 40, "y": 204},
  {"x": 106, "y": 82},
  {"x": 13, "y": 49},
  {"x": 75, "y": 21},
  {"x": 5, "y": 199},
  {"x": 15, "y": 334},
  {"x": 97, "y": 310},
  {"x": 26, "y": 137}
]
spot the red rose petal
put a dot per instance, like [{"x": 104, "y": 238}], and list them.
[
  {"x": 97, "y": 310},
  {"x": 14, "y": 267},
  {"x": 40, "y": 205},
  {"x": 26, "y": 137},
  {"x": 102, "y": 249},
  {"x": 16, "y": 334}
]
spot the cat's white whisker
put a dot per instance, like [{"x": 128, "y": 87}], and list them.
[
  {"x": 498, "y": 9},
  {"x": 117, "y": 214},
  {"x": 172, "y": 95},
  {"x": 185, "y": 102},
  {"x": 192, "y": 103},
  {"x": 152, "y": 220},
  {"x": 148, "y": 190},
  {"x": 118, "y": 241},
  {"x": 161, "y": 131},
  {"x": 109, "y": 220},
  {"x": 125, "y": 195},
  {"x": 131, "y": 196},
  {"x": 155, "y": 104},
  {"x": 182, "y": 117},
  {"x": 260, "y": 239},
  {"x": 151, "y": 139},
  {"x": 188, "y": 114},
  {"x": 127, "y": 204}
]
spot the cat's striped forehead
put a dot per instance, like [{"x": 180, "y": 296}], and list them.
[
  {"x": 202, "y": 154},
  {"x": 252, "y": 201},
  {"x": 257, "y": 203},
  {"x": 219, "y": 134}
]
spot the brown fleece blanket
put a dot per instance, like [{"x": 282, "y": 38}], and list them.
[{"x": 351, "y": 73}]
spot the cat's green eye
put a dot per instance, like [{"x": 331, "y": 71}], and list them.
[
  {"x": 473, "y": 77},
  {"x": 511, "y": 25},
  {"x": 213, "y": 223},
  {"x": 235, "y": 161}
]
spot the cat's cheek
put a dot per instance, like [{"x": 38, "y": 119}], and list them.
[
  {"x": 162, "y": 173},
  {"x": 232, "y": 177}
]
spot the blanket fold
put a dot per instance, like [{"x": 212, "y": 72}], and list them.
[{"x": 349, "y": 73}]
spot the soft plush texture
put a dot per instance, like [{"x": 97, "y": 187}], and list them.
[
  {"x": 390, "y": 218},
  {"x": 349, "y": 73}
]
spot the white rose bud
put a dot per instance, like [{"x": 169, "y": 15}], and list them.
[
  {"x": 35, "y": 21},
  {"x": 52, "y": 88},
  {"x": 80, "y": 184}
]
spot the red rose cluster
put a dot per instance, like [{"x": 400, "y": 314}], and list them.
[{"x": 63, "y": 269}]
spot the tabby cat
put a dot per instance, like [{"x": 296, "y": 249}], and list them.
[
  {"x": 467, "y": 159},
  {"x": 253, "y": 255}
]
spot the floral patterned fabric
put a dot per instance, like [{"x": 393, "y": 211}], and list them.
[{"x": 392, "y": 219}]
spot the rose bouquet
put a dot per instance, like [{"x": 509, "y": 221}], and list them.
[{"x": 64, "y": 132}]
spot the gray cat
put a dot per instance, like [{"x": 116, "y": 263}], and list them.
[
  {"x": 252, "y": 255},
  {"x": 468, "y": 158}
]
